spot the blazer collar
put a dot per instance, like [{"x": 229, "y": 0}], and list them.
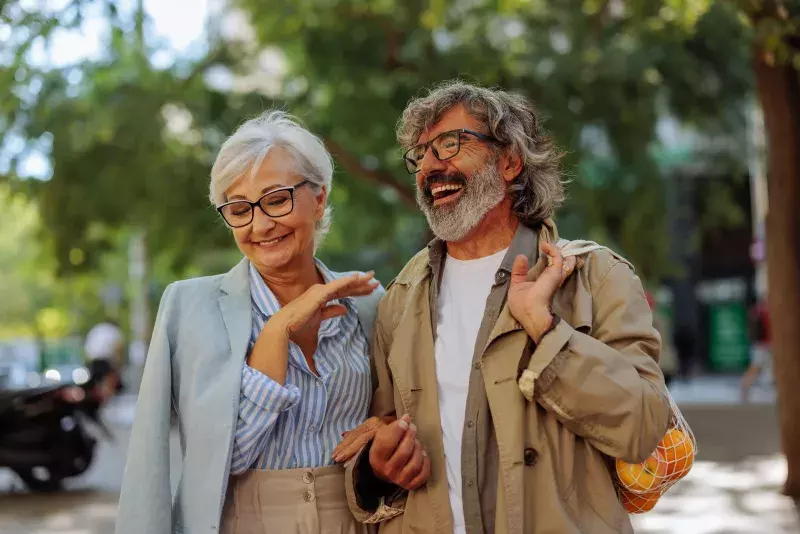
[
  {"x": 237, "y": 311},
  {"x": 235, "y": 281}
]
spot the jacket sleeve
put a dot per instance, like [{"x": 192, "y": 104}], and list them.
[
  {"x": 606, "y": 386},
  {"x": 146, "y": 481},
  {"x": 372, "y": 500}
]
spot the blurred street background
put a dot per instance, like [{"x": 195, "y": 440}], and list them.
[{"x": 681, "y": 124}]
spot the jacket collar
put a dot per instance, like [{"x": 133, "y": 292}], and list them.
[
  {"x": 237, "y": 311},
  {"x": 525, "y": 241},
  {"x": 235, "y": 281}
]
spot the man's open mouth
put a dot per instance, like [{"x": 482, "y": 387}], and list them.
[{"x": 443, "y": 193}]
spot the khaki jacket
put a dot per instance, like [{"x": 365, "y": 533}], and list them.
[{"x": 599, "y": 394}]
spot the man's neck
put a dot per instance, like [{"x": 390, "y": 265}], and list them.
[{"x": 493, "y": 234}]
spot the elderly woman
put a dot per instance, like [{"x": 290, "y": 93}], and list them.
[{"x": 266, "y": 366}]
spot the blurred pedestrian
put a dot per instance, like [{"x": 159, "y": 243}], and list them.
[
  {"x": 519, "y": 383},
  {"x": 760, "y": 354},
  {"x": 684, "y": 345},
  {"x": 266, "y": 366},
  {"x": 103, "y": 351}
]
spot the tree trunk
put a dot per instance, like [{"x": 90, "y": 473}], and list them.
[{"x": 779, "y": 92}]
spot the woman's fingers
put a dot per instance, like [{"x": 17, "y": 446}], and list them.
[
  {"x": 334, "y": 310},
  {"x": 356, "y": 438},
  {"x": 353, "y": 285}
]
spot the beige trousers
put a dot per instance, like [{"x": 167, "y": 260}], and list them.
[{"x": 289, "y": 501}]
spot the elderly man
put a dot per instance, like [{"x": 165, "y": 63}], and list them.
[{"x": 469, "y": 453}]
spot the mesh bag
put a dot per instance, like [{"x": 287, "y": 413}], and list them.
[{"x": 641, "y": 485}]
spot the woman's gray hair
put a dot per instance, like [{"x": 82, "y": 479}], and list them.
[
  {"x": 246, "y": 149},
  {"x": 511, "y": 119}
]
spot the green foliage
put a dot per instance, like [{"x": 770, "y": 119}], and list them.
[
  {"x": 125, "y": 147},
  {"x": 131, "y": 145},
  {"x": 24, "y": 284},
  {"x": 353, "y": 65}
]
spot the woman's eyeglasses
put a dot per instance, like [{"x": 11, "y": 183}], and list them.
[{"x": 276, "y": 203}]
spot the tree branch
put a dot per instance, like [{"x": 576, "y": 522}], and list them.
[{"x": 352, "y": 165}]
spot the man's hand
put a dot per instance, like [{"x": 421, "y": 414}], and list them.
[
  {"x": 529, "y": 301},
  {"x": 358, "y": 437},
  {"x": 397, "y": 456}
]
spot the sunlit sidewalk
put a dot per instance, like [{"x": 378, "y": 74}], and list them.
[
  {"x": 723, "y": 389},
  {"x": 717, "y": 498}
]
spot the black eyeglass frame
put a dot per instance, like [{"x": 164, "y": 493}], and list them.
[
  {"x": 291, "y": 189},
  {"x": 429, "y": 144}
]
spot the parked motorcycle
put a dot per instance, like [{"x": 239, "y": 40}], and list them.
[{"x": 48, "y": 433}]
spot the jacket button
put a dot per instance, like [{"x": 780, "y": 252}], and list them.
[{"x": 530, "y": 457}]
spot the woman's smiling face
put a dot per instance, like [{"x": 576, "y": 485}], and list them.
[{"x": 272, "y": 243}]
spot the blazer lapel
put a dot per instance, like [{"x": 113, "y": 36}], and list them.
[{"x": 237, "y": 311}]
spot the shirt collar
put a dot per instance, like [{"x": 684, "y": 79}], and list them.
[
  {"x": 525, "y": 242},
  {"x": 263, "y": 298}
]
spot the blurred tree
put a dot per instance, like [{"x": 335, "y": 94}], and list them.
[
  {"x": 25, "y": 283},
  {"x": 125, "y": 148},
  {"x": 130, "y": 145},
  {"x": 776, "y": 62},
  {"x": 604, "y": 72}
]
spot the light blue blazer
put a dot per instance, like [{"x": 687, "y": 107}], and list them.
[{"x": 194, "y": 366}]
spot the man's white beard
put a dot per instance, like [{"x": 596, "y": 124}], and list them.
[{"x": 454, "y": 221}]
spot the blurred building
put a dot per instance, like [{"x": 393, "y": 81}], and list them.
[{"x": 723, "y": 265}]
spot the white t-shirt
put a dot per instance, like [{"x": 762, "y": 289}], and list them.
[
  {"x": 102, "y": 341},
  {"x": 461, "y": 304}
]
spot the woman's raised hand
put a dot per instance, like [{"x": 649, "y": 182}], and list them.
[{"x": 313, "y": 306}]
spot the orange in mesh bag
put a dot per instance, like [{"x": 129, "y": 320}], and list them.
[{"x": 641, "y": 485}]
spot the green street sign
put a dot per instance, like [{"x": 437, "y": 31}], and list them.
[{"x": 729, "y": 343}]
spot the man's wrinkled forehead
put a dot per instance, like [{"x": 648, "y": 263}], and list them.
[{"x": 454, "y": 118}]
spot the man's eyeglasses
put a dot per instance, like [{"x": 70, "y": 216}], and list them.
[
  {"x": 276, "y": 203},
  {"x": 444, "y": 146}
]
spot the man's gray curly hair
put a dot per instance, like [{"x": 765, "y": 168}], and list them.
[{"x": 511, "y": 119}]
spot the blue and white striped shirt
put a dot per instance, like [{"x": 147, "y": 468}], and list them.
[{"x": 300, "y": 423}]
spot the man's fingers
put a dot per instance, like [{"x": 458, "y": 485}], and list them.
[
  {"x": 413, "y": 466},
  {"x": 388, "y": 438},
  {"x": 403, "y": 452},
  {"x": 567, "y": 267},
  {"x": 554, "y": 272},
  {"x": 423, "y": 475},
  {"x": 519, "y": 271},
  {"x": 555, "y": 259}
]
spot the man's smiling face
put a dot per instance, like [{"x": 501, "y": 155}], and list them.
[{"x": 456, "y": 194}]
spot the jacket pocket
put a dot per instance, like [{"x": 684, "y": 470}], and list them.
[{"x": 586, "y": 516}]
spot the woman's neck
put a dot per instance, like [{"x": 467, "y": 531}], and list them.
[{"x": 292, "y": 280}]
